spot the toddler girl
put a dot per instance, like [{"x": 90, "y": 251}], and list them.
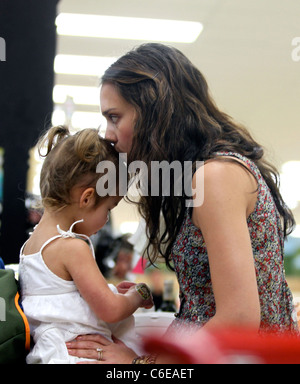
[{"x": 64, "y": 294}]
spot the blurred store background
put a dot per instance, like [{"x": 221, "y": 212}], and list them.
[{"x": 247, "y": 49}]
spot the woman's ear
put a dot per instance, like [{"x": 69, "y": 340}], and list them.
[{"x": 87, "y": 198}]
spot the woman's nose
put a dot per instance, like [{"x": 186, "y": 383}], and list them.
[{"x": 110, "y": 135}]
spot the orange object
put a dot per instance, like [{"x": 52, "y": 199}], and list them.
[{"x": 27, "y": 328}]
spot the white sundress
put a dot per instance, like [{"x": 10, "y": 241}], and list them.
[{"x": 57, "y": 313}]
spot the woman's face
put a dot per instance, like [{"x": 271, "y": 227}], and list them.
[{"x": 120, "y": 116}]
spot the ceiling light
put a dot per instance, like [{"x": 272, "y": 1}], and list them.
[
  {"x": 58, "y": 117},
  {"x": 130, "y": 28},
  {"x": 82, "y": 65},
  {"x": 80, "y": 95},
  {"x": 80, "y": 120}
]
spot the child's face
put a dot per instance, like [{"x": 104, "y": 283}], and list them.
[{"x": 98, "y": 216}]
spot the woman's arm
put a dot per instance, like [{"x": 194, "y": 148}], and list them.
[
  {"x": 83, "y": 269},
  {"x": 229, "y": 198}
]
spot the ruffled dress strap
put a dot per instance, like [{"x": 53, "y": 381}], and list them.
[
  {"x": 249, "y": 163},
  {"x": 70, "y": 234}
]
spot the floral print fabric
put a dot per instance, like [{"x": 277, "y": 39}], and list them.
[{"x": 190, "y": 259}]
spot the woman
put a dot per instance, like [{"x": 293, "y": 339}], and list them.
[{"x": 228, "y": 252}]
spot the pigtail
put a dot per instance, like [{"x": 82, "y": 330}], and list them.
[{"x": 53, "y": 136}]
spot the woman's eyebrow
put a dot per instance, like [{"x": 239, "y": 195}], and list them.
[{"x": 108, "y": 111}]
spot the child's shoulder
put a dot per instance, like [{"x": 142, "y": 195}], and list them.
[
  {"x": 73, "y": 243},
  {"x": 67, "y": 246}
]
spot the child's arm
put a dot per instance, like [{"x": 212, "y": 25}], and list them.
[{"x": 110, "y": 307}]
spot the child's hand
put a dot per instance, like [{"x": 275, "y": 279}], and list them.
[{"x": 125, "y": 286}]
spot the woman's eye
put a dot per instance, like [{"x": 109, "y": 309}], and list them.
[{"x": 114, "y": 119}]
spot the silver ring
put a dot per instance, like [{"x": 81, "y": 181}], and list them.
[{"x": 100, "y": 354}]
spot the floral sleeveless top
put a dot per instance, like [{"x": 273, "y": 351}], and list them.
[{"x": 190, "y": 259}]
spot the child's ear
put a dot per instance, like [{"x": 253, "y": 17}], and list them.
[{"x": 87, "y": 198}]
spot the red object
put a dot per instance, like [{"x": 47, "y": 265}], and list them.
[
  {"x": 227, "y": 346},
  {"x": 139, "y": 269}
]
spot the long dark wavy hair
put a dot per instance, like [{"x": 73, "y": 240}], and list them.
[{"x": 177, "y": 119}]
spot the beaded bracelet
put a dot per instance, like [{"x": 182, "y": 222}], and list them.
[{"x": 146, "y": 359}]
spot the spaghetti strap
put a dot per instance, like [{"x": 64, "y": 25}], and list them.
[
  {"x": 49, "y": 241},
  {"x": 249, "y": 164},
  {"x": 65, "y": 235},
  {"x": 23, "y": 246},
  {"x": 70, "y": 234}
]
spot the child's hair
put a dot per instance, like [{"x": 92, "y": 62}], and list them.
[{"x": 71, "y": 160}]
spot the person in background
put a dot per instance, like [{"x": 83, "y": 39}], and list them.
[{"x": 123, "y": 258}]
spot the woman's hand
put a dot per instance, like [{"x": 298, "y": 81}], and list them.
[{"x": 112, "y": 353}]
